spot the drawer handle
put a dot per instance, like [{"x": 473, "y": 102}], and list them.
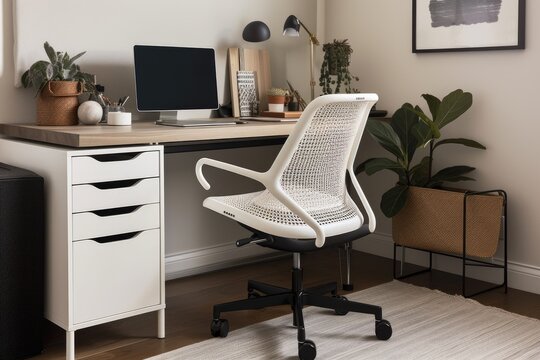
[
  {"x": 116, "y": 184},
  {"x": 119, "y": 237},
  {"x": 115, "y": 157},
  {"x": 116, "y": 211}
]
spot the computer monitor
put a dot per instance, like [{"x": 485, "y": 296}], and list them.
[{"x": 169, "y": 79}]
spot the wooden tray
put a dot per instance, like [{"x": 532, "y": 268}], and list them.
[{"x": 283, "y": 114}]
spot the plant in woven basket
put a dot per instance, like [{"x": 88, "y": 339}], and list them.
[
  {"x": 335, "y": 68},
  {"x": 409, "y": 129},
  {"x": 60, "y": 67}
]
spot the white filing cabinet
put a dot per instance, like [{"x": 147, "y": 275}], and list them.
[{"x": 105, "y": 238}]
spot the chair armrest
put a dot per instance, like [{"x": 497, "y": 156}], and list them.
[
  {"x": 371, "y": 216},
  {"x": 292, "y": 205},
  {"x": 258, "y": 176}
]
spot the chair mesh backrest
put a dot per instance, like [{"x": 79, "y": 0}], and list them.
[{"x": 315, "y": 174}]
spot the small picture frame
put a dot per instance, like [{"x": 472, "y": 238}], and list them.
[{"x": 467, "y": 25}]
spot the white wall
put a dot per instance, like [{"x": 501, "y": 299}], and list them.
[
  {"x": 503, "y": 116},
  {"x": 107, "y": 30}
]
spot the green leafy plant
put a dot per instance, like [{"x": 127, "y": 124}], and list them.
[
  {"x": 409, "y": 129},
  {"x": 335, "y": 67},
  {"x": 277, "y": 92},
  {"x": 60, "y": 67}
]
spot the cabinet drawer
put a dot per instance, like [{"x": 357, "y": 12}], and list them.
[
  {"x": 115, "y": 277},
  {"x": 112, "y": 167},
  {"x": 90, "y": 197},
  {"x": 88, "y": 225}
]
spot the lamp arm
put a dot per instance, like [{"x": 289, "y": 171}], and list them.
[{"x": 312, "y": 37}]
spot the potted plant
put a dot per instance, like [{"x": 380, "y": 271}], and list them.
[
  {"x": 277, "y": 97},
  {"x": 335, "y": 68},
  {"x": 425, "y": 215},
  {"x": 57, "y": 82}
]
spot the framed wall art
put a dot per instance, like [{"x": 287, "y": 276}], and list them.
[{"x": 464, "y": 25}]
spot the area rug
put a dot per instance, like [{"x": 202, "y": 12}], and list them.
[{"x": 427, "y": 324}]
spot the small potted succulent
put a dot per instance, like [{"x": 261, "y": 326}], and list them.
[
  {"x": 277, "y": 97},
  {"x": 57, "y": 82}
]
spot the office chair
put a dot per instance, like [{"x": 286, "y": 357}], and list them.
[{"x": 304, "y": 207}]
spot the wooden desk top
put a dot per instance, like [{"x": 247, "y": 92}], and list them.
[{"x": 141, "y": 133}]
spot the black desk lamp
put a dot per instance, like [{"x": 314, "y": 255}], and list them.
[
  {"x": 292, "y": 28},
  {"x": 256, "y": 31}
]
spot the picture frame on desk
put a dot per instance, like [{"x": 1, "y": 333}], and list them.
[{"x": 467, "y": 25}]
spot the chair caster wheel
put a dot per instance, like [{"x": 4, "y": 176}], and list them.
[
  {"x": 341, "y": 311},
  {"x": 253, "y": 295},
  {"x": 219, "y": 327},
  {"x": 348, "y": 287},
  {"x": 307, "y": 350},
  {"x": 383, "y": 329}
]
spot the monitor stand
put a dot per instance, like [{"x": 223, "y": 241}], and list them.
[{"x": 170, "y": 118}]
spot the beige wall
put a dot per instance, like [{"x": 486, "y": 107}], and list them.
[
  {"x": 503, "y": 116},
  {"x": 107, "y": 30}
]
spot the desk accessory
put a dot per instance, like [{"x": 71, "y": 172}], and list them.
[
  {"x": 282, "y": 114},
  {"x": 256, "y": 60},
  {"x": 57, "y": 82},
  {"x": 118, "y": 118},
  {"x": 90, "y": 112},
  {"x": 292, "y": 28},
  {"x": 277, "y": 97},
  {"x": 247, "y": 92}
]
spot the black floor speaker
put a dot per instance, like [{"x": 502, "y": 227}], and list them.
[{"x": 21, "y": 263}]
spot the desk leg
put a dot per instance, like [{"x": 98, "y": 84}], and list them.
[
  {"x": 70, "y": 345},
  {"x": 161, "y": 324}
]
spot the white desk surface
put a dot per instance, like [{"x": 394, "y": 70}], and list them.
[{"x": 81, "y": 136}]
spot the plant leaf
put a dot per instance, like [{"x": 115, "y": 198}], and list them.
[
  {"x": 419, "y": 174},
  {"x": 433, "y": 103},
  {"x": 25, "y": 79},
  {"x": 403, "y": 122},
  {"x": 49, "y": 72},
  {"x": 452, "y": 106},
  {"x": 452, "y": 174},
  {"x": 435, "y": 133},
  {"x": 385, "y": 136},
  {"x": 393, "y": 200},
  {"x": 51, "y": 54},
  {"x": 377, "y": 164},
  {"x": 461, "y": 141},
  {"x": 423, "y": 133},
  {"x": 73, "y": 59}
]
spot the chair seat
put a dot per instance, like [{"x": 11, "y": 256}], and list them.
[{"x": 262, "y": 211}]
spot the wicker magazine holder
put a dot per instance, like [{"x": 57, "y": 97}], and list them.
[
  {"x": 432, "y": 219},
  {"x": 57, "y": 103}
]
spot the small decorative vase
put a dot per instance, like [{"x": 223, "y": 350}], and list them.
[
  {"x": 57, "y": 103},
  {"x": 90, "y": 112}
]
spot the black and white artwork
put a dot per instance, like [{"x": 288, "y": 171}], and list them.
[{"x": 461, "y": 25}]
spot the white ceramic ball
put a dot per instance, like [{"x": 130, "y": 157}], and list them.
[{"x": 90, "y": 112}]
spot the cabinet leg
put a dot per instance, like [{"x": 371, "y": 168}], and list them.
[
  {"x": 161, "y": 323},
  {"x": 70, "y": 345}
]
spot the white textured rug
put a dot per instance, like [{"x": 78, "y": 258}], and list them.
[{"x": 427, "y": 325}]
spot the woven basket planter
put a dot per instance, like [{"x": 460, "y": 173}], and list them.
[
  {"x": 57, "y": 103},
  {"x": 432, "y": 220}
]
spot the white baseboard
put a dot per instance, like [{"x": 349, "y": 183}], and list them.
[
  {"x": 520, "y": 276},
  {"x": 198, "y": 261}
]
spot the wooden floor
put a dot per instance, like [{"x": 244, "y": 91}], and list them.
[{"x": 190, "y": 300}]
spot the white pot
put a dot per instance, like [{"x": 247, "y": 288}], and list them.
[{"x": 276, "y": 107}]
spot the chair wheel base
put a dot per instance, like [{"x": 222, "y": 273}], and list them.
[
  {"x": 383, "y": 329},
  {"x": 307, "y": 350},
  {"x": 341, "y": 311},
  {"x": 219, "y": 328}
]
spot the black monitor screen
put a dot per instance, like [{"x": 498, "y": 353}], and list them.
[{"x": 175, "y": 78}]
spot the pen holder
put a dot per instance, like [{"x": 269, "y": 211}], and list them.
[{"x": 110, "y": 108}]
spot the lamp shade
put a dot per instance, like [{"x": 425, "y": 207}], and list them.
[
  {"x": 291, "y": 26},
  {"x": 256, "y": 31}
]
